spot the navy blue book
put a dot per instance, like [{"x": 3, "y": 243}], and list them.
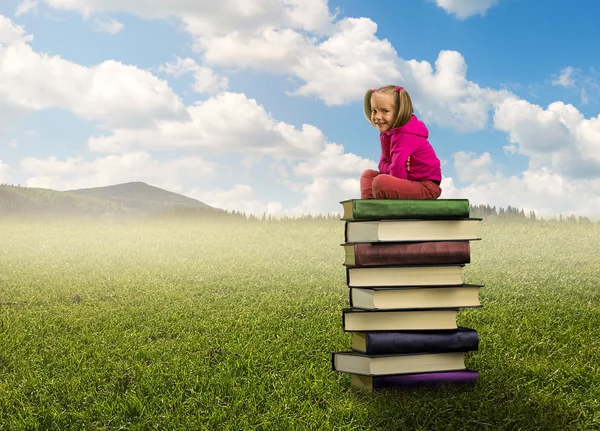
[{"x": 394, "y": 342}]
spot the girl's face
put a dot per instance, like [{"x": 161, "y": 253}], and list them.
[{"x": 383, "y": 110}]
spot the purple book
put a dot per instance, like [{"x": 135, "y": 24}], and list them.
[{"x": 412, "y": 380}]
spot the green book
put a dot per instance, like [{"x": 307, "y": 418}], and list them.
[{"x": 378, "y": 209}]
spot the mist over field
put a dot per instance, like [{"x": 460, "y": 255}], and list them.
[{"x": 214, "y": 323}]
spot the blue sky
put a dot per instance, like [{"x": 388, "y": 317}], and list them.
[{"x": 256, "y": 105}]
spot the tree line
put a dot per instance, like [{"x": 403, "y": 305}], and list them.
[{"x": 476, "y": 211}]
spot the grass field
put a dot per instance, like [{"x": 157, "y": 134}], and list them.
[{"x": 230, "y": 326}]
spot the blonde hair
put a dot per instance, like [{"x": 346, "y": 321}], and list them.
[{"x": 402, "y": 102}]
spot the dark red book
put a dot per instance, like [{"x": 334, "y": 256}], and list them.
[{"x": 407, "y": 253}]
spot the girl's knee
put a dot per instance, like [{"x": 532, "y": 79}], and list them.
[
  {"x": 376, "y": 186},
  {"x": 369, "y": 173},
  {"x": 378, "y": 180}
]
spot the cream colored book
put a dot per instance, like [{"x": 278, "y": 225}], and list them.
[
  {"x": 360, "y": 320},
  {"x": 466, "y": 295},
  {"x": 381, "y": 365},
  {"x": 411, "y": 230},
  {"x": 417, "y": 275}
]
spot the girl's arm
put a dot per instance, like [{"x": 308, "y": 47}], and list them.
[
  {"x": 401, "y": 148},
  {"x": 384, "y": 162}
]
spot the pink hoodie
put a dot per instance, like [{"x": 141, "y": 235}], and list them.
[{"x": 409, "y": 140}]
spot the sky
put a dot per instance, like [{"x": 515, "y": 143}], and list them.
[{"x": 256, "y": 105}]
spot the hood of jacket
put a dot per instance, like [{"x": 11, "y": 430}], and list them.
[{"x": 413, "y": 127}]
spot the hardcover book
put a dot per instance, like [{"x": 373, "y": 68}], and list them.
[
  {"x": 381, "y": 365},
  {"x": 383, "y": 343},
  {"x": 411, "y": 230},
  {"x": 370, "y": 383},
  {"x": 407, "y": 253},
  {"x": 377, "y": 209},
  {"x": 417, "y": 275},
  {"x": 356, "y": 319},
  {"x": 377, "y": 298}
]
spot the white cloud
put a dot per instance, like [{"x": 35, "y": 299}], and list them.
[
  {"x": 210, "y": 18},
  {"x": 537, "y": 131},
  {"x": 11, "y": 33},
  {"x": 473, "y": 169},
  {"x": 559, "y": 137},
  {"x": 26, "y": 6},
  {"x": 324, "y": 194},
  {"x": 541, "y": 191},
  {"x": 4, "y": 172},
  {"x": 445, "y": 97},
  {"x": 240, "y": 197},
  {"x": 585, "y": 98},
  {"x": 463, "y": 9},
  {"x": 111, "y": 94},
  {"x": 229, "y": 122},
  {"x": 337, "y": 70},
  {"x": 205, "y": 80},
  {"x": 13, "y": 144},
  {"x": 586, "y": 84},
  {"x": 274, "y": 50},
  {"x": 333, "y": 162},
  {"x": 75, "y": 172},
  {"x": 275, "y": 36},
  {"x": 564, "y": 79},
  {"x": 341, "y": 68},
  {"x": 108, "y": 25}
]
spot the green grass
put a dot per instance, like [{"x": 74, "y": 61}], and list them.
[{"x": 230, "y": 326}]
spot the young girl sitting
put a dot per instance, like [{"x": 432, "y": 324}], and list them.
[{"x": 408, "y": 168}]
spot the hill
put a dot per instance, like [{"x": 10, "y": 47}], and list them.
[
  {"x": 40, "y": 201},
  {"x": 140, "y": 197},
  {"x": 135, "y": 198}
]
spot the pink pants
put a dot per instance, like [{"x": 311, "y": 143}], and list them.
[{"x": 374, "y": 185}]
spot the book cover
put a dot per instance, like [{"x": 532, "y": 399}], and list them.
[
  {"x": 461, "y": 339},
  {"x": 407, "y": 253},
  {"x": 411, "y": 230},
  {"x": 411, "y": 297},
  {"x": 377, "y": 209},
  {"x": 400, "y": 381},
  {"x": 380, "y": 365},
  {"x": 409, "y": 275},
  {"x": 361, "y": 320}
]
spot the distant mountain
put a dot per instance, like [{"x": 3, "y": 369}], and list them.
[
  {"x": 135, "y": 198},
  {"x": 39, "y": 201},
  {"x": 139, "y": 196}
]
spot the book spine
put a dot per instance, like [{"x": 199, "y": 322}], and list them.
[
  {"x": 425, "y": 379},
  {"x": 412, "y": 253},
  {"x": 368, "y": 209},
  {"x": 346, "y": 232},
  {"x": 391, "y": 342}
]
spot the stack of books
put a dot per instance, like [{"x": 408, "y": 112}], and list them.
[{"x": 404, "y": 269}]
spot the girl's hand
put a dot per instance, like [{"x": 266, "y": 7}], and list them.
[{"x": 408, "y": 164}]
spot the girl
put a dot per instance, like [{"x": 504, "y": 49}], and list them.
[{"x": 408, "y": 167}]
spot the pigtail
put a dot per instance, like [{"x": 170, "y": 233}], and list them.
[
  {"x": 405, "y": 107},
  {"x": 367, "y": 105}
]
